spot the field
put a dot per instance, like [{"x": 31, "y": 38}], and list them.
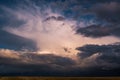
[{"x": 59, "y": 78}]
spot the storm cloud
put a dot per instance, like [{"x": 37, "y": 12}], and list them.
[
  {"x": 97, "y": 31},
  {"x": 92, "y": 60},
  {"x": 33, "y": 64},
  {"x": 108, "y": 11},
  {"x": 107, "y": 14},
  {"x": 59, "y": 38},
  {"x": 105, "y": 56}
]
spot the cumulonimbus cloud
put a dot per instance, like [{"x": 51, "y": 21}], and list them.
[{"x": 56, "y": 41}]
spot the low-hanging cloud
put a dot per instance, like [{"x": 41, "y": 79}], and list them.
[
  {"x": 14, "y": 62},
  {"x": 105, "y": 56},
  {"x": 103, "y": 59}
]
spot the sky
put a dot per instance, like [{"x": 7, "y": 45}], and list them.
[{"x": 60, "y": 38}]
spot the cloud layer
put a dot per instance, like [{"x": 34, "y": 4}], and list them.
[
  {"x": 105, "y": 56},
  {"x": 100, "y": 60}
]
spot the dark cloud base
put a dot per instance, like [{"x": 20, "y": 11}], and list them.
[
  {"x": 106, "y": 63},
  {"x": 73, "y": 73},
  {"x": 107, "y": 56}
]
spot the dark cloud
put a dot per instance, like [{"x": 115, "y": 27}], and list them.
[
  {"x": 5, "y": 60},
  {"x": 50, "y": 59},
  {"x": 108, "y": 11},
  {"x": 100, "y": 31},
  {"x": 35, "y": 64},
  {"x": 106, "y": 63},
  {"x": 107, "y": 15},
  {"x": 48, "y": 65},
  {"x": 59, "y": 18},
  {"x": 104, "y": 56}
]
